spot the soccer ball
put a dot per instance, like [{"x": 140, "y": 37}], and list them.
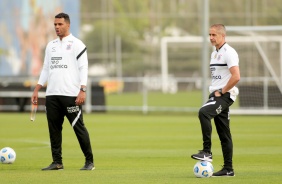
[
  {"x": 7, "y": 155},
  {"x": 203, "y": 169}
]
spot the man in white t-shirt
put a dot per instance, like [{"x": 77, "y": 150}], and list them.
[
  {"x": 225, "y": 74},
  {"x": 65, "y": 69}
]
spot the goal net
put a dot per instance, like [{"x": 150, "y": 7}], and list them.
[{"x": 260, "y": 54}]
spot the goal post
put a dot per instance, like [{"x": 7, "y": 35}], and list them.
[{"x": 258, "y": 46}]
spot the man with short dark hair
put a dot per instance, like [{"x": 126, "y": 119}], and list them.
[
  {"x": 225, "y": 74},
  {"x": 65, "y": 69}
]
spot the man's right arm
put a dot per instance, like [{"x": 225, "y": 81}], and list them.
[
  {"x": 34, "y": 97},
  {"x": 42, "y": 79}
]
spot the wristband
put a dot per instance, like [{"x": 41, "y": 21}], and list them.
[{"x": 83, "y": 89}]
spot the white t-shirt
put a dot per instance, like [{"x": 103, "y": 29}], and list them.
[
  {"x": 65, "y": 66},
  {"x": 220, "y": 62}
]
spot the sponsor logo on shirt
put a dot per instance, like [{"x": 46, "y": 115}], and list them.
[
  {"x": 55, "y": 63},
  {"x": 216, "y": 77},
  {"x": 212, "y": 69}
]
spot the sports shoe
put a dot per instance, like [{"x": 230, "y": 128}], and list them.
[
  {"x": 53, "y": 166},
  {"x": 88, "y": 166},
  {"x": 224, "y": 172},
  {"x": 202, "y": 155}
]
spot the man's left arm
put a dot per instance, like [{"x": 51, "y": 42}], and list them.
[
  {"x": 83, "y": 75},
  {"x": 235, "y": 77}
]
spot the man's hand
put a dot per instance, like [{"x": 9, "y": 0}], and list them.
[
  {"x": 34, "y": 97},
  {"x": 217, "y": 93},
  {"x": 80, "y": 99}
]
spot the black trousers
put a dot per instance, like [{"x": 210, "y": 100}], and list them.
[
  {"x": 57, "y": 107},
  {"x": 218, "y": 109}
]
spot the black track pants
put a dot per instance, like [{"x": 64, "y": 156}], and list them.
[
  {"x": 217, "y": 108},
  {"x": 57, "y": 107}
]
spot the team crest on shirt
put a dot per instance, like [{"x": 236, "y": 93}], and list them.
[
  {"x": 69, "y": 47},
  {"x": 219, "y": 57}
]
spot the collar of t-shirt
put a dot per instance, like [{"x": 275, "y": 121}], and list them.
[
  {"x": 66, "y": 38},
  {"x": 220, "y": 47}
]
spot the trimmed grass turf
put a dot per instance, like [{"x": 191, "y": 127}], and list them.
[
  {"x": 180, "y": 99},
  {"x": 192, "y": 99},
  {"x": 137, "y": 148}
]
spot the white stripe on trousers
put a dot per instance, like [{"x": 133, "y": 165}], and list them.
[
  {"x": 75, "y": 120},
  {"x": 210, "y": 103}
]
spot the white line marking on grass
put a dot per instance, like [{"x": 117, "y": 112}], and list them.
[{"x": 45, "y": 144}]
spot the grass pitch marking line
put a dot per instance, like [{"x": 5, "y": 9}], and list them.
[{"x": 45, "y": 144}]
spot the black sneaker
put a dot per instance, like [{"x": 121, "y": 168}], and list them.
[
  {"x": 53, "y": 166},
  {"x": 88, "y": 166},
  {"x": 224, "y": 172},
  {"x": 202, "y": 156}
]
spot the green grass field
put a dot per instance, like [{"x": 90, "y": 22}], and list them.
[
  {"x": 134, "y": 148},
  {"x": 158, "y": 99}
]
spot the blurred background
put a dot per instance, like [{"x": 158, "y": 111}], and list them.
[{"x": 145, "y": 55}]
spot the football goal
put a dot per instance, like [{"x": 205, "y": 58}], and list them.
[{"x": 260, "y": 53}]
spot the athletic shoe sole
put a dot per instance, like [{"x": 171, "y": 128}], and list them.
[{"x": 202, "y": 159}]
